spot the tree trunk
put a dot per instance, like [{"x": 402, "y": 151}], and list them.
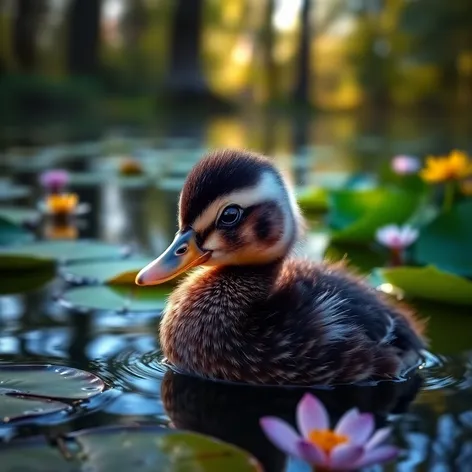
[
  {"x": 84, "y": 37},
  {"x": 301, "y": 92},
  {"x": 186, "y": 83},
  {"x": 26, "y": 23}
]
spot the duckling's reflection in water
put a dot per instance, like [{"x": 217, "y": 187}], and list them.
[{"x": 231, "y": 412}]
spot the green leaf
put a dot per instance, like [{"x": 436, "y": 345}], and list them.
[
  {"x": 430, "y": 283},
  {"x": 66, "y": 251},
  {"x": 17, "y": 215},
  {"x": 361, "y": 258},
  {"x": 446, "y": 242},
  {"x": 19, "y": 407},
  {"x": 11, "y": 233},
  {"x": 50, "y": 381},
  {"x": 356, "y": 215},
  {"x": 313, "y": 200},
  {"x": 137, "y": 449},
  {"x": 121, "y": 272},
  {"x": 117, "y": 298},
  {"x": 25, "y": 280},
  {"x": 151, "y": 449}
]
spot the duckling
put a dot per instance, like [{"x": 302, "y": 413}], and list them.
[{"x": 252, "y": 312}]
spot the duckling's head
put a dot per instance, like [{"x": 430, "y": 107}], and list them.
[{"x": 235, "y": 209}]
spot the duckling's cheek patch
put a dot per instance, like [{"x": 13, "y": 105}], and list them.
[{"x": 268, "y": 223}]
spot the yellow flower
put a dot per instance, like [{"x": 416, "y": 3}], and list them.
[
  {"x": 130, "y": 167},
  {"x": 55, "y": 231},
  {"x": 62, "y": 204},
  {"x": 456, "y": 166}
]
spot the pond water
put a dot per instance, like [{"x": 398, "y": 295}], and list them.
[{"x": 431, "y": 410}]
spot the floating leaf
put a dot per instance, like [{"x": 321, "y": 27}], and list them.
[
  {"x": 448, "y": 327},
  {"x": 22, "y": 281},
  {"x": 16, "y": 407},
  {"x": 117, "y": 298},
  {"x": 362, "y": 258},
  {"x": 10, "y": 191},
  {"x": 67, "y": 251},
  {"x": 111, "y": 272},
  {"x": 140, "y": 449},
  {"x": 18, "y": 215},
  {"x": 356, "y": 215},
  {"x": 35, "y": 456},
  {"x": 429, "y": 283},
  {"x": 313, "y": 200},
  {"x": 10, "y": 262},
  {"x": 49, "y": 381},
  {"x": 11, "y": 233},
  {"x": 149, "y": 449},
  {"x": 447, "y": 241}
]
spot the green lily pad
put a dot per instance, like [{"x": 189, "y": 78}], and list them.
[
  {"x": 66, "y": 251},
  {"x": 18, "y": 215},
  {"x": 446, "y": 242},
  {"x": 151, "y": 449},
  {"x": 313, "y": 200},
  {"x": 117, "y": 298},
  {"x": 11, "y": 233},
  {"x": 430, "y": 283},
  {"x": 22, "y": 281},
  {"x": 35, "y": 456},
  {"x": 49, "y": 381},
  {"x": 361, "y": 258},
  {"x": 10, "y": 191},
  {"x": 140, "y": 449},
  {"x": 110, "y": 272},
  {"x": 356, "y": 215},
  {"x": 84, "y": 179},
  {"x": 17, "y": 407}
]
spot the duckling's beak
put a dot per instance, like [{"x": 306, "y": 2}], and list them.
[{"x": 182, "y": 254}]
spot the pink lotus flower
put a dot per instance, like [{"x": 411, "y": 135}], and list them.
[
  {"x": 405, "y": 165},
  {"x": 54, "y": 180},
  {"x": 395, "y": 237},
  {"x": 351, "y": 445}
]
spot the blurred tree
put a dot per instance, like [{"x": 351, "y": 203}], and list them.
[
  {"x": 27, "y": 19},
  {"x": 268, "y": 63},
  {"x": 301, "y": 91},
  {"x": 441, "y": 34},
  {"x": 84, "y": 37},
  {"x": 186, "y": 83}
]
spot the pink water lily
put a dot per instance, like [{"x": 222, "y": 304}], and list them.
[
  {"x": 352, "y": 444},
  {"x": 54, "y": 180},
  {"x": 396, "y": 237},
  {"x": 405, "y": 165}
]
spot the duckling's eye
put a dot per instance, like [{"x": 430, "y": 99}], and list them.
[{"x": 230, "y": 216}]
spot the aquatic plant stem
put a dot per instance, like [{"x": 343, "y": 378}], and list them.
[
  {"x": 448, "y": 195},
  {"x": 396, "y": 257}
]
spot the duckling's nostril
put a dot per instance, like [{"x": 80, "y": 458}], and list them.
[{"x": 181, "y": 250}]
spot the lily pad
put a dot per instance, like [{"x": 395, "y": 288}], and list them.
[
  {"x": 18, "y": 215},
  {"x": 361, "y": 258},
  {"x": 356, "y": 215},
  {"x": 110, "y": 272},
  {"x": 67, "y": 251},
  {"x": 150, "y": 449},
  {"x": 25, "y": 280},
  {"x": 313, "y": 200},
  {"x": 140, "y": 449},
  {"x": 116, "y": 298},
  {"x": 447, "y": 241},
  {"x": 10, "y": 191},
  {"x": 430, "y": 283},
  {"x": 16, "y": 407},
  {"x": 49, "y": 381},
  {"x": 11, "y": 233}
]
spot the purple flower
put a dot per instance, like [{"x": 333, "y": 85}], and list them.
[
  {"x": 351, "y": 445},
  {"x": 396, "y": 237},
  {"x": 54, "y": 180},
  {"x": 404, "y": 165}
]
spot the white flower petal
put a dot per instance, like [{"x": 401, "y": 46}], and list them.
[{"x": 281, "y": 434}]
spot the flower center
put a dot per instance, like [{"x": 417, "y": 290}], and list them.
[
  {"x": 64, "y": 203},
  {"x": 326, "y": 439}
]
